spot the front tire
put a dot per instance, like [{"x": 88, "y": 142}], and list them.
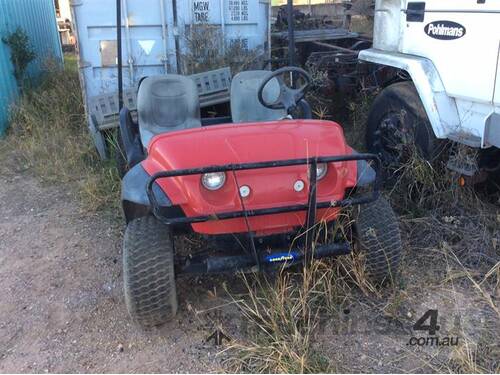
[
  {"x": 379, "y": 239},
  {"x": 148, "y": 272}
]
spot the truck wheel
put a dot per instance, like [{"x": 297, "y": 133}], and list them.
[
  {"x": 148, "y": 272},
  {"x": 378, "y": 237},
  {"x": 398, "y": 126}
]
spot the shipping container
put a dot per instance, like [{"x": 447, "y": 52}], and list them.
[
  {"x": 304, "y": 2},
  {"x": 38, "y": 20},
  {"x": 155, "y": 40}
]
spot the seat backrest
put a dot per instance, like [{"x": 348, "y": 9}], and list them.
[
  {"x": 167, "y": 103},
  {"x": 245, "y": 105}
]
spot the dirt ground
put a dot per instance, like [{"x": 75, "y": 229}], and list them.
[{"x": 62, "y": 308}]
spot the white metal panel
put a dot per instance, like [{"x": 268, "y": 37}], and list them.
[
  {"x": 496, "y": 94},
  {"x": 64, "y": 10},
  {"x": 473, "y": 118},
  {"x": 467, "y": 65},
  {"x": 460, "y": 5},
  {"x": 387, "y": 25},
  {"x": 238, "y": 19}
]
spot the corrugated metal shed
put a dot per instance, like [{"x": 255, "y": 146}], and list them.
[{"x": 37, "y": 18}]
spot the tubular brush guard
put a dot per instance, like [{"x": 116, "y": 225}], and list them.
[{"x": 241, "y": 262}]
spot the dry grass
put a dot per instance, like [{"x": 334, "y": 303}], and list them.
[
  {"x": 358, "y": 115},
  {"x": 283, "y": 311},
  {"x": 206, "y": 51},
  {"x": 469, "y": 358},
  {"x": 478, "y": 351},
  {"x": 48, "y": 135},
  {"x": 455, "y": 232},
  {"x": 283, "y": 318}
]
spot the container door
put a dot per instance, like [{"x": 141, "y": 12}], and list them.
[
  {"x": 219, "y": 25},
  {"x": 496, "y": 95},
  {"x": 147, "y": 46},
  {"x": 461, "y": 38}
]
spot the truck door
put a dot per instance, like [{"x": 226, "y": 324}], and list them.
[{"x": 461, "y": 38}]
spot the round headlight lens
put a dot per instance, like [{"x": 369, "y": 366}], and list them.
[
  {"x": 321, "y": 170},
  {"x": 213, "y": 181}
]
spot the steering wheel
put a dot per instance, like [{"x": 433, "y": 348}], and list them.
[{"x": 288, "y": 97}]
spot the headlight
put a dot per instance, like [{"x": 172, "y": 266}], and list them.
[
  {"x": 213, "y": 181},
  {"x": 321, "y": 170}
]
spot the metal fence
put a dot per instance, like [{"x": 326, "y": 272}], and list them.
[{"x": 37, "y": 19}]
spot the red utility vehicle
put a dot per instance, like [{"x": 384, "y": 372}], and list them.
[{"x": 251, "y": 183}]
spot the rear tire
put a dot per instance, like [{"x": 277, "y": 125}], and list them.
[
  {"x": 148, "y": 272},
  {"x": 398, "y": 126},
  {"x": 378, "y": 236}
]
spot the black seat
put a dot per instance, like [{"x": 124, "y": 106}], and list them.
[
  {"x": 245, "y": 106},
  {"x": 167, "y": 103}
]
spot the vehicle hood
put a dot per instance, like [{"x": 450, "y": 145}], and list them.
[
  {"x": 245, "y": 143},
  {"x": 241, "y": 143}
]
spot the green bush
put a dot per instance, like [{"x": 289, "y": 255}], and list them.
[{"x": 21, "y": 53}]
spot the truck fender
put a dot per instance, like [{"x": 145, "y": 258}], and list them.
[{"x": 439, "y": 107}]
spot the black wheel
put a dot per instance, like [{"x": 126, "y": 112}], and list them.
[
  {"x": 398, "y": 127},
  {"x": 378, "y": 237},
  {"x": 148, "y": 272}
]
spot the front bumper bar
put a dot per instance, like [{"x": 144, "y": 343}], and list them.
[
  {"x": 265, "y": 211},
  {"x": 220, "y": 264}
]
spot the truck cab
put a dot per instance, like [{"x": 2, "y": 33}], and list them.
[{"x": 450, "y": 51}]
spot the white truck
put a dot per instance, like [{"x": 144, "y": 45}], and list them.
[{"x": 448, "y": 54}]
